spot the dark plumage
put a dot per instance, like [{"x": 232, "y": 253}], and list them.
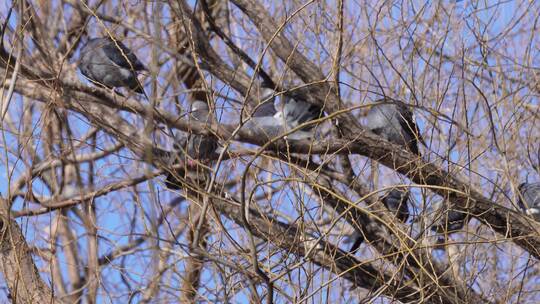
[
  {"x": 394, "y": 121},
  {"x": 191, "y": 148},
  {"x": 452, "y": 222},
  {"x": 359, "y": 239},
  {"x": 529, "y": 199},
  {"x": 396, "y": 201},
  {"x": 110, "y": 63}
]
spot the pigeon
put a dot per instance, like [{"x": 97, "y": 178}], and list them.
[
  {"x": 110, "y": 63},
  {"x": 273, "y": 123},
  {"x": 452, "y": 222},
  {"x": 395, "y": 122},
  {"x": 296, "y": 112},
  {"x": 397, "y": 202},
  {"x": 529, "y": 199},
  {"x": 267, "y": 108},
  {"x": 191, "y": 148}
]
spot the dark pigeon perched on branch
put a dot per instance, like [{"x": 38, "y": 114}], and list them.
[
  {"x": 529, "y": 199},
  {"x": 273, "y": 123},
  {"x": 394, "y": 121},
  {"x": 452, "y": 222},
  {"x": 110, "y": 63},
  {"x": 397, "y": 202},
  {"x": 191, "y": 149}
]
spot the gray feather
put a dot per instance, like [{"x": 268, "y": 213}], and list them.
[
  {"x": 297, "y": 112},
  {"x": 265, "y": 109},
  {"x": 529, "y": 199},
  {"x": 273, "y": 123},
  {"x": 191, "y": 148},
  {"x": 394, "y": 122},
  {"x": 110, "y": 64}
]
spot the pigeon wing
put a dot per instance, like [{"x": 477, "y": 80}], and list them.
[
  {"x": 531, "y": 196},
  {"x": 409, "y": 125},
  {"x": 121, "y": 55},
  {"x": 452, "y": 222},
  {"x": 299, "y": 112},
  {"x": 265, "y": 109}
]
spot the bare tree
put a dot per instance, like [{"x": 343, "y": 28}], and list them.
[{"x": 88, "y": 213}]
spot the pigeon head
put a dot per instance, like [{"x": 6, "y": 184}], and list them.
[
  {"x": 199, "y": 110},
  {"x": 199, "y": 105}
]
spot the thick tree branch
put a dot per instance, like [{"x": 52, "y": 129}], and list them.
[{"x": 17, "y": 265}]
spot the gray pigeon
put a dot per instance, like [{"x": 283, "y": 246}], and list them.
[
  {"x": 529, "y": 199},
  {"x": 394, "y": 121},
  {"x": 296, "y": 112},
  {"x": 267, "y": 108},
  {"x": 273, "y": 123},
  {"x": 110, "y": 63},
  {"x": 191, "y": 148},
  {"x": 397, "y": 202}
]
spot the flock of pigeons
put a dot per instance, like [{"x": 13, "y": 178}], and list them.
[{"x": 108, "y": 62}]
